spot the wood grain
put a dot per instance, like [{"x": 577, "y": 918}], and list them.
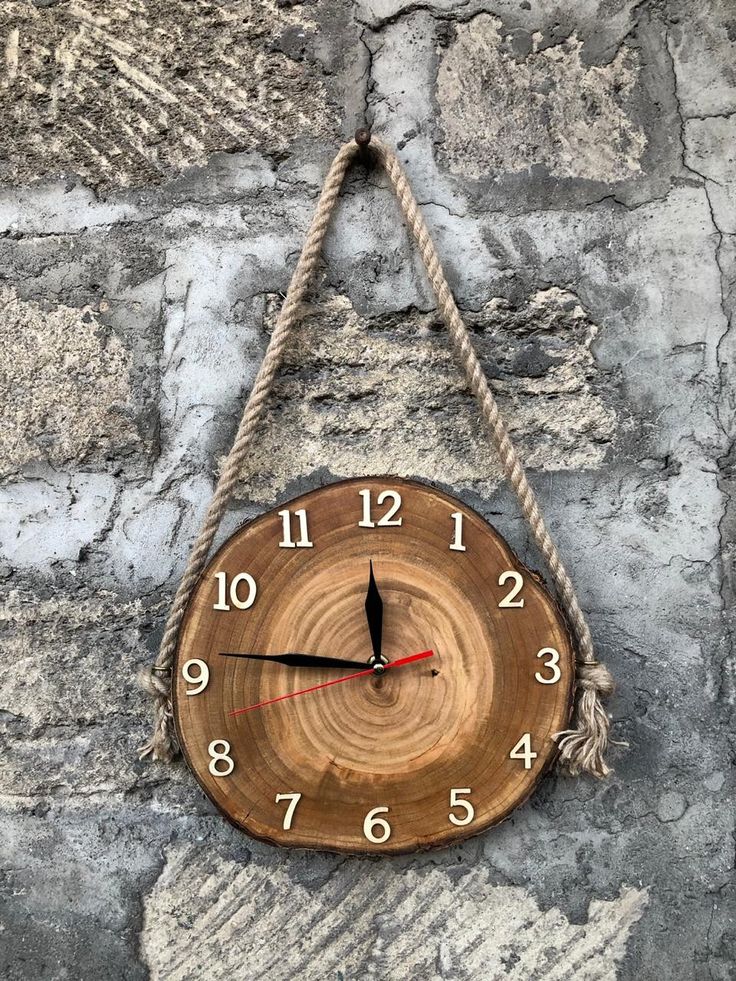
[{"x": 404, "y": 739}]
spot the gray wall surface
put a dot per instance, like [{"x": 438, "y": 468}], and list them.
[{"x": 159, "y": 163}]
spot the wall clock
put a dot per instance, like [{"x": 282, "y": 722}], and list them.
[{"x": 370, "y": 669}]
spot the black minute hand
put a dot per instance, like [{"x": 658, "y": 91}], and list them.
[
  {"x": 299, "y": 660},
  {"x": 374, "y": 613}
]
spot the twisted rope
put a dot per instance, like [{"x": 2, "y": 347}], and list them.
[{"x": 583, "y": 747}]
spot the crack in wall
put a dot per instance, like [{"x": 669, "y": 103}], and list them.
[{"x": 725, "y": 461}]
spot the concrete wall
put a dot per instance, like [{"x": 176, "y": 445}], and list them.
[{"x": 159, "y": 163}]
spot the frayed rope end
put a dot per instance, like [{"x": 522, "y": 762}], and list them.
[
  {"x": 163, "y": 744},
  {"x": 583, "y": 748}
]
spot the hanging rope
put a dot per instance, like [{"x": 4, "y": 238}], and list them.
[{"x": 583, "y": 747}]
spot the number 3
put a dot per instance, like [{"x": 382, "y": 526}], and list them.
[{"x": 554, "y": 657}]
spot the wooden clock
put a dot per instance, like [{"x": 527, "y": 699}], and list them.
[{"x": 370, "y": 669}]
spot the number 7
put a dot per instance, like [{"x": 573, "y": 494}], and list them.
[{"x": 294, "y": 798}]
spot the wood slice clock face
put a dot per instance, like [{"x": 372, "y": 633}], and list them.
[{"x": 453, "y": 670}]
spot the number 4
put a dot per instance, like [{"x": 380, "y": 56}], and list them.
[{"x": 523, "y": 751}]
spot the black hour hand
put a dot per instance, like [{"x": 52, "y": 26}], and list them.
[
  {"x": 299, "y": 660},
  {"x": 374, "y": 613}
]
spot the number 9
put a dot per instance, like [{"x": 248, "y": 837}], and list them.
[{"x": 201, "y": 679}]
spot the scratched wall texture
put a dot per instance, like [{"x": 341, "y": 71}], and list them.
[{"x": 159, "y": 162}]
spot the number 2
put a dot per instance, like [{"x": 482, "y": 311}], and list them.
[{"x": 510, "y": 601}]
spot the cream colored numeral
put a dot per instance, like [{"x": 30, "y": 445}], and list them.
[
  {"x": 287, "y": 541},
  {"x": 220, "y": 756},
  {"x": 202, "y": 678},
  {"x": 388, "y": 519},
  {"x": 237, "y": 602},
  {"x": 371, "y": 822},
  {"x": 552, "y": 664},
  {"x": 457, "y": 801},
  {"x": 294, "y": 800},
  {"x": 523, "y": 751},
  {"x": 457, "y": 542},
  {"x": 510, "y": 600}
]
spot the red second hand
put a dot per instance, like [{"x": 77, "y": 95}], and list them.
[{"x": 335, "y": 681}]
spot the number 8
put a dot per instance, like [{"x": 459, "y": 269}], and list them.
[{"x": 220, "y": 757}]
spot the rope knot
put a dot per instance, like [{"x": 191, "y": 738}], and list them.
[
  {"x": 163, "y": 744},
  {"x": 583, "y": 747},
  {"x": 594, "y": 676}
]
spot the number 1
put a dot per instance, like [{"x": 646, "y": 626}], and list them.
[{"x": 457, "y": 542}]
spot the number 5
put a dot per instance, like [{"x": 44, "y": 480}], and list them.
[{"x": 457, "y": 801}]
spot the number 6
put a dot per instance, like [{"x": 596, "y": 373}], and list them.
[{"x": 371, "y": 821}]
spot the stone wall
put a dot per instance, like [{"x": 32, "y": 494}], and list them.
[{"x": 159, "y": 163}]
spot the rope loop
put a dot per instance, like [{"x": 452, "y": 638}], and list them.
[{"x": 583, "y": 747}]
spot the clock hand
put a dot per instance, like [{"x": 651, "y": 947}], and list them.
[
  {"x": 336, "y": 681},
  {"x": 299, "y": 660},
  {"x": 374, "y": 613}
]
